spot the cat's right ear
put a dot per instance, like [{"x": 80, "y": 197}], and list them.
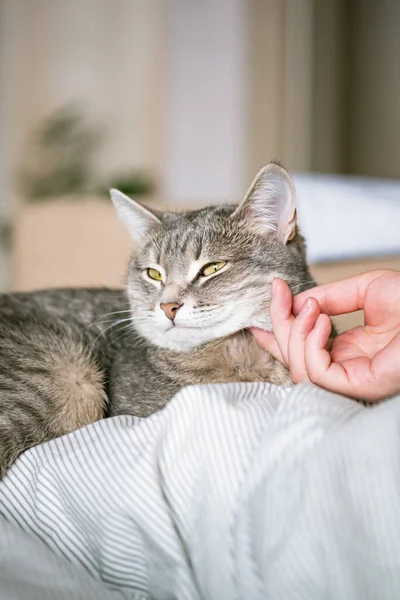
[{"x": 136, "y": 218}]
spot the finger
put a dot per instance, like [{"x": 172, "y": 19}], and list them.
[
  {"x": 281, "y": 315},
  {"x": 320, "y": 368},
  {"x": 338, "y": 297},
  {"x": 267, "y": 340},
  {"x": 301, "y": 328},
  {"x": 358, "y": 378},
  {"x": 353, "y": 378}
]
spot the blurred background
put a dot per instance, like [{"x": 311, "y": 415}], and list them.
[{"x": 179, "y": 103}]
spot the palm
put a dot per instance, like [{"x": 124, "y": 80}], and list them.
[
  {"x": 382, "y": 324},
  {"x": 358, "y": 343}
]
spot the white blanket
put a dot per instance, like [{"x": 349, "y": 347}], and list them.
[{"x": 240, "y": 491}]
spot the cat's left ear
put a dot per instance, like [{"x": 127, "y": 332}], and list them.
[
  {"x": 136, "y": 218},
  {"x": 270, "y": 203}
]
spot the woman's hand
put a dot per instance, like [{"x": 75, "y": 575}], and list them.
[{"x": 364, "y": 362}]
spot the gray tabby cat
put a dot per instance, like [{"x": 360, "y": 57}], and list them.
[{"x": 197, "y": 280}]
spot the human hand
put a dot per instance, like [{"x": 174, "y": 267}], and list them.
[{"x": 363, "y": 362}]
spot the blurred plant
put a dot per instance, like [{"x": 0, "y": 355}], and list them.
[
  {"x": 61, "y": 157},
  {"x": 60, "y": 162},
  {"x": 132, "y": 184}
]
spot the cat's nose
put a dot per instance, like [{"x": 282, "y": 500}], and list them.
[{"x": 170, "y": 309}]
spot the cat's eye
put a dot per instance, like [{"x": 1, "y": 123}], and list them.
[
  {"x": 154, "y": 274},
  {"x": 212, "y": 268}
]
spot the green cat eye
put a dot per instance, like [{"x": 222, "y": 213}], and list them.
[
  {"x": 212, "y": 268},
  {"x": 154, "y": 274}
]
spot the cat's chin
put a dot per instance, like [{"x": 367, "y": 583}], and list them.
[
  {"x": 179, "y": 338},
  {"x": 183, "y": 339}
]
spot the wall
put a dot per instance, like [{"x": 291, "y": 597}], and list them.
[
  {"x": 206, "y": 92},
  {"x": 207, "y": 113},
  {"x": 374, "y": 77}
]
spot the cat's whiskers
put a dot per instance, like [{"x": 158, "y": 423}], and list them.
[
  {"x": 123, "y": 331},
  {"x": 296, "y": 286},
  {"x": 107, "y": 318},
  {"x": 114, "y": 324},
  {"x": 117, "y": 312}
]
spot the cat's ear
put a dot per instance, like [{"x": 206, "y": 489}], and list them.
[
  {"x": 136, "y": 218},
  {"x": 270, "y": 203}
]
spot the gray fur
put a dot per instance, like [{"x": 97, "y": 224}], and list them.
[{"x": 69, "y": 357}]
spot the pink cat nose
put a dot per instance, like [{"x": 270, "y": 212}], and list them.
[{"x": 170, "y": 309}]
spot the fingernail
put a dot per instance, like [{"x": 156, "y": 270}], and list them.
[
  {"x": 307, "y": 306},
  {"x": 274, "y": 285}
]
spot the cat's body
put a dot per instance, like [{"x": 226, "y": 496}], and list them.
[{"x": 69, "y": 357}]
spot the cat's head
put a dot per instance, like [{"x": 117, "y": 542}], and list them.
[{"x": 201, "y": 275}]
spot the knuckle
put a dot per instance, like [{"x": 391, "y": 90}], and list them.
[{"x": 379, "y": 272}]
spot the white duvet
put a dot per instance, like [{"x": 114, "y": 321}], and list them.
[{"x": 240, "y": 491}]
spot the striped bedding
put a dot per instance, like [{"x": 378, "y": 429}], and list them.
[{"x": 238, "y": 491}]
